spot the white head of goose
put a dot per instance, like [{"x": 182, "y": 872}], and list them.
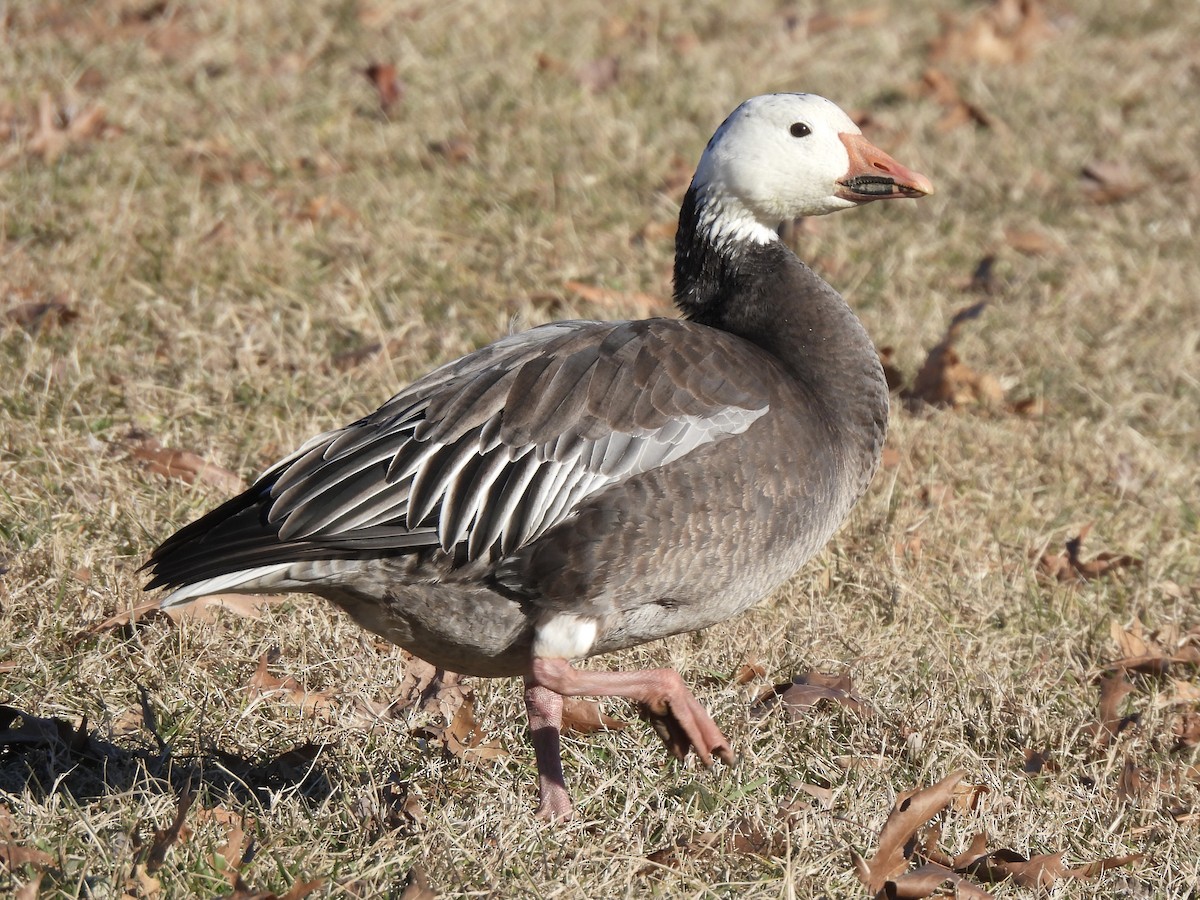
[{"x": 583, "y": 487}]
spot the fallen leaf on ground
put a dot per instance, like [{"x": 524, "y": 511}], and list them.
[
  {"x": 1109, "y": 182},
  {"x": 748, "y": 671},
  {"x": 56, "y": 131},
  {"x": 183, "y": 465},
  {"x": 1155, "y": 653},
  {"x": 1004, "y": 32},
  {"x": 945, "y": 380},
  {"x": 624, "y": 302},
  {"x": 805, "y": 692},
  {"x": 36, "y": 315},
  {"x": 263, "y": 683},
  {"x": 1131, "y": 784},
  {"x": 1113, "y": 689},
  {"x": 324, "y": 208},
  {"x": 388, "y": 87},
  {"x": 416, "y": 886},
  {"x": 1068, "y": 567},
  {"x": 1031, "y": 242},
  {"x": 164, "y": 838},
  {"x": 1186, "y": 730},
  {"x": 242, "y": 891},
  {"x": 202, "y": 609},
  {"x": 1038, "y": 871},
  {"x": 457, "y": 149},
  {"x": 237, "y": 839},
  {"x": 860, "y": 18},
  {"x": 584, "y": 716},
  {"x": 958, "y": 111},
  {"x": 897, "y": 839},
  {"x": 463, "y": 737}
]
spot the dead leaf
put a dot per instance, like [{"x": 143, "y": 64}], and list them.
[
  {"x": 1038, "y": 871},
  {"x": 1186, "y": 730},
  {"x": 600, "y": 74},
  {"x": 35, "y": 315},
  {"x": 1068, "y": 568},
  {"x": 749, "y": 671},
  {"x": 1032, "y": 242},
  {"x": 324, "y": 208},
  {"x": 29, "y": 890},
  {"x": 57, "y": 130},
  {"x": 183, "y": 465},
  {"x": 1132, "y": 784},
  {"x": 1109, "y": 182},
  {"x": 897, "y": 839},
  {"x": 958, "y": 111},
  {"x": 1111, "y": 723},
  {"x": 242, "y": 891},
  {"x": 1004, "y": 32},
  {"x": 945, "y": 380},
  {"x": 805, "y": 692},
  {"x": 263, "y": 683},
  {"x": 583, "y": 716},
  {"x": 820, "y": 23},
  {"x": 1152, "y": 654},
  {"x": 416, "y": 886},
  {"x": 458, "y": 149},
  {"x": 202, "y": 609},
  {"x": 633, "y": 303},
  {"x": 388, "y": 87},
  {"x": 164, "y": 838},
  {"x": 1037, "y": 761}
]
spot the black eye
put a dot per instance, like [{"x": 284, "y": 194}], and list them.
[{"x": 799, "y": 129}]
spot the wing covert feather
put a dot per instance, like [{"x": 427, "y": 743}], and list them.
[{"x": 494, "y": 449}]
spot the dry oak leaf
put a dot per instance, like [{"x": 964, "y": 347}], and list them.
[
  {"x": 1109, "y": 182},
  {"x": 800, "y": 696},
  {"x": 416, "y": 886},
  {"x": 945, "y": 380},
  {"x": 57, "y": 130},
  {"x": 625, "y": 302},
  {"x": 164, "y": 838},
  {"x": 242, "y": 891},
  {"x": 463, "y": 737},
  {"x": 584, "y": 716},
  {"x": 1154, "y": 654},
  {"x": 958, "y": 111},
  {"x": 263, "y": 683},
  {"x": 34, "y": 315},
  {"x": 183, "y": 465},
  {"x": 1069, "y": 568},
  {"x": 388, "y": 87},
  {"x": 897, "y": 839},
  {"x": 1004, "y": 32},
  {"x": 1111, "y": 723},
  {"x": 1039, "y": 871}
]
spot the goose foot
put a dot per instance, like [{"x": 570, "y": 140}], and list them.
[{"x": 674, "y": 713}]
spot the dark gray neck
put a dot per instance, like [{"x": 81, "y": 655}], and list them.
[{"x": 766, "y": 295}]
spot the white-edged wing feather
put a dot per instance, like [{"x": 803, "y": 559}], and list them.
[{"x": 494, "y": 449}]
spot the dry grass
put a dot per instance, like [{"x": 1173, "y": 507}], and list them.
[{"x": 247, "y": 214}]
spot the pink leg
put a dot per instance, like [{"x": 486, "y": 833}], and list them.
[
  {"x": 544, "y": 709},
  {"x": 676, "y": 715}
]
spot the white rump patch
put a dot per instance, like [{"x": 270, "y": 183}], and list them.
[{"x": 564, "y": 636}]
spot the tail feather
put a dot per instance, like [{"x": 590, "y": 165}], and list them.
[{"x": 235, "y": 543}]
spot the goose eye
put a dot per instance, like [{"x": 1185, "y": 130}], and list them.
[{"x": 799, "y": 129}]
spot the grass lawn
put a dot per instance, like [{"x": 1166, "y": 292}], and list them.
[{"x": 216, "y": 237}]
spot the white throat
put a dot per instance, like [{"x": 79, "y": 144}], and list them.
[{"x": 725, "y": 220}]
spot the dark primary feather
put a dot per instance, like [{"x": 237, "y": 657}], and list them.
[{"x": 486, "y": 453}]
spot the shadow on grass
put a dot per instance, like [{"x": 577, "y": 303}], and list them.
[{"x": 49, "y": 756}]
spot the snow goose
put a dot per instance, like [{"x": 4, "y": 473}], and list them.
[{"x": 583, "y": 486}]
